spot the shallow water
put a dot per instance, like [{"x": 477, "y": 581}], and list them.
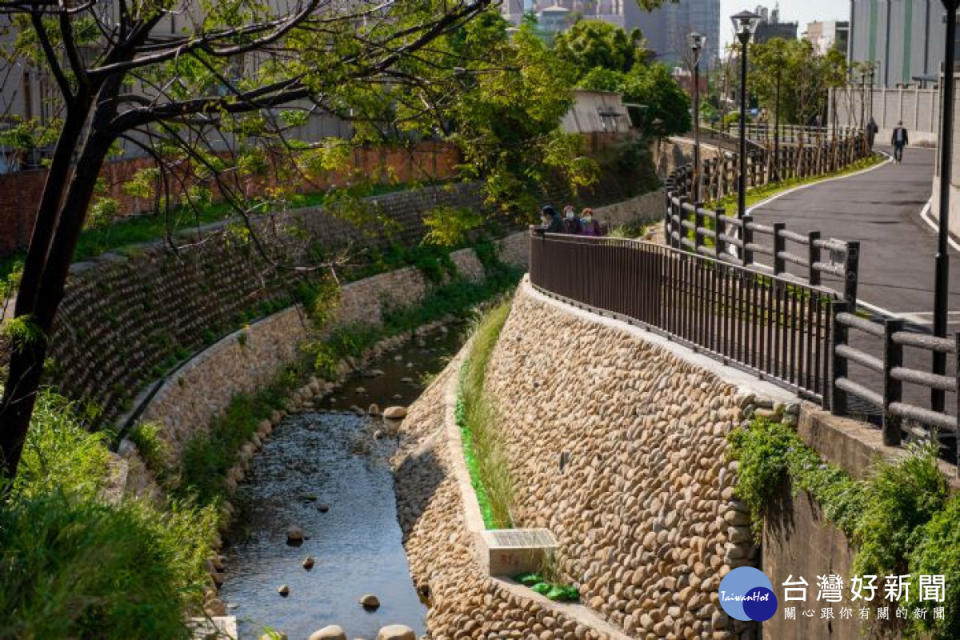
[{"x": 330, "y": 458}]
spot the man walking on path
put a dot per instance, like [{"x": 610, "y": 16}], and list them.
[{"x": 899, "y": 141}]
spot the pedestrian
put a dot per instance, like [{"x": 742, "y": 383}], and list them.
[
  {"x": 571, "y": 224},
  {"x": 899, "y": 140},
  {"x": 872, "y": 130},
  {"x": 551, "y": 220},
  {"x": 591, "y": 226}
]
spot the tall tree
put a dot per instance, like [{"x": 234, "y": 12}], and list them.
[
  {"x": 589, "y": 44},
  {"x": 162, "y": 74}
]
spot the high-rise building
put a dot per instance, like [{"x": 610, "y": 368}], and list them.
[
  {"x": 770, "y": 26},
  {"x": 904, "y": 39},
  {"x": 665, "y": 29},
  {"x": 828, "y": 35}
]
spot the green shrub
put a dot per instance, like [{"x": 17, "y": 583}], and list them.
[
  {"x": 73, "y": 565},
  {"x": 899, "y": 520}
]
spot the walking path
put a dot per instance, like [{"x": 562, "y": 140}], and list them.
[{"x": 880, "y": 208}]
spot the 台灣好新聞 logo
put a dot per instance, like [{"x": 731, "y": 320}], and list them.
[{"x": 747, "y": 594}]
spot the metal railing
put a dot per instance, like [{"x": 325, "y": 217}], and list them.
[{"x": 775, "y": 328}]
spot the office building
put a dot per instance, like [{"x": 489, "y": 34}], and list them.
[
  {"x": 904, "y": 38},
  {"x": 828, "y": 35},
  {"x": 665, "y": 29}
]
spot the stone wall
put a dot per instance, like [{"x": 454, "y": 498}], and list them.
[
  {"x": 124, "y": 317},
  {"x": 248, "y": 359},
  {"x": 643, "y": 505},
  {"x": 617, "y": 445},
  {"x": 464, "y": 602}
]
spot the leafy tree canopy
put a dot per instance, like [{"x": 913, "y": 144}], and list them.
[{"x": 589, "y": 44}]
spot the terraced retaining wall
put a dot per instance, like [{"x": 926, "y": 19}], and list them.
[
  {"x": 616, "y": 441},
  {"x": 124, "y": 317},
  {"x": 249, "y": 359}
]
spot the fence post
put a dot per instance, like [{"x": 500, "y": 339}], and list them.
[
  {"x": 892, "y": 388},
  {"x": 779, "y": 246},
  {"x": 813, "y": 257},
  {"x": 721, "y": 229},
  {"x": 682, "y": 230},
  {"x": 697, "y": 225},
  {"x": 956, "y": 360},
  {"x": 838, "y": 397},
  {"x": 668, "y": 217},
  {"x": 747, "y": 236},
  {"x": 850, "y": 273}
]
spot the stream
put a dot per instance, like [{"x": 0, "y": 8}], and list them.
[{"x": 326, "y": 473}]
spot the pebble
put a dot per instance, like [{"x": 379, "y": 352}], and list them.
[
  {"x": 283, "y": 590},
  {"x": 370, "y": 601},
  {"x": 307, "y": 563}
]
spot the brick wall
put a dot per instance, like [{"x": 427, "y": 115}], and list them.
[{"x": 20, "y": 192}]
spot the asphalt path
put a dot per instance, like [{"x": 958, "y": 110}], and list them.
[{"x": 880, "y": 208}]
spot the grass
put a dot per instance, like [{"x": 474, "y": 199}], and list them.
[
  {"x": 213, "y": 451},
  {"x": 483, "y": 450},
  {"x": 77, "y": 566}
]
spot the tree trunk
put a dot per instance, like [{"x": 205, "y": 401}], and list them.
[{"x": 46, "y": 292}]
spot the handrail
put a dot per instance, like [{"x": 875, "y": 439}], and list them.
[{"x": 771, "y": 326}]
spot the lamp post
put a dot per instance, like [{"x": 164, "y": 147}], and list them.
[
  {"x": 776, "y": 124},
  {"x": 942, "y": 260},
  {"x": 744, "y": 25},
  {"x": 697, "y": 43}
]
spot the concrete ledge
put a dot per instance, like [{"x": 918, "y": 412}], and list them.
[{"x": 853, "y": 446}]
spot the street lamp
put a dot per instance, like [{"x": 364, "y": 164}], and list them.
[
  {"x": 745, "y": 25},
  {"x": 942, "y": 260},
  {"x": 697, "y": 43},
  {"x": 776, "y": 123}
]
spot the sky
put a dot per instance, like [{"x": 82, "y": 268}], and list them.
[{"x": 802, "y": 11}]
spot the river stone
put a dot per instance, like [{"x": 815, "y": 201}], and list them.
[
  {"x": 395, "y": 413},
  {"x": 323, "y": 507},
  {"x": 370, "y": 601},
  {"x": 283, "y": 590},
  {"x": 295, "y": 535},
  {"x": 373, "y": 410},
  {"x": 332, "y": 632},
  {"x": 396, "y": 632},
  {"x": 307, "y": 563}
]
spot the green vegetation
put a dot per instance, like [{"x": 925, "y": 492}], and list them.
[
  {"x": 455, "y": 298},
  {"x": 482, "y": 448},
  {"x": 899, "y": 520},
  {"x": 552, "y": 590},
  {"x": 76, "y": 564}
]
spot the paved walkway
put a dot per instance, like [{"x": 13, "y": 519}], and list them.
[{"x": 880, "y": 208}]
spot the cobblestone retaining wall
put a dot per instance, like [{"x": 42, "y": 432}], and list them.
[
  {"x": 464, "y": 603},
  {"x": 642, "y": 505}
]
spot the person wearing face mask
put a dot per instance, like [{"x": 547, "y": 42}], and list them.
[
  {"x": 571, "y": 224},
  {"x": 551, "y": 221},
  {"x": 589, "y": 224}
]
